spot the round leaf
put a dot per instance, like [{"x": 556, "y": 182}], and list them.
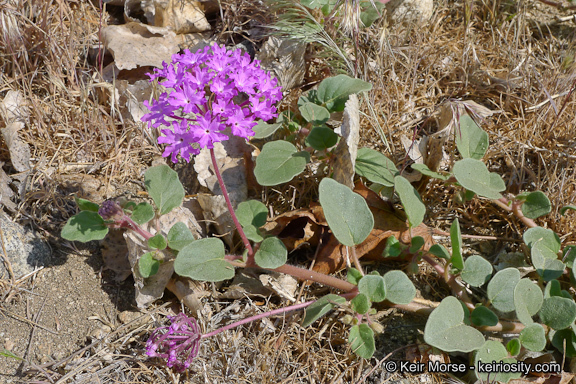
[
  {"x": 164, "y": 188},
  {"x": 271, "y": 254},
  {"x": 279, "y": 162},
  {"x": 473, "y": 175},
  {"x": 179, "y": 236},
  {"x": 446, "y": 330},
  {"x": 376, "y": 167},
  {"x": 399, "y": 288},
  {"x": 482, "y": 316},
  {"x": 501, "y": 289},
  {"x": 353, "y": 276},
  {"x": 85, "y": 226},
  {"x": 321, "y": 138},
  {"x": 148, "y": 265},
  {"x": 361, "y": 340},
  {"x": 565, "y": 341},
  {"x": 252, "y": 212},
  {"x": 411, "y": 201},
  {"x": 536, "y": 204},
  {"x": 528, "y": 299},
  {"x": 549, "y": 241},
  {"x": 513, "y": 347},
  {"x": 157, "y": 242},
  {"x": 440, "y": 251},
  {"x": 346, "y": 212},
  {"x": 314, "y": 113},
  {"x": 558, "y": 312},
  {"x": 203, "y": 260},
  {"x": 86, "y": 205},
  {"x": 374, "y": 287},
  {"x": 471, "y": 140},
  {"x": 360, "y": 303},
  {"x": 142, "y": 213},
  {"x": 477, "y": 271},
  {"x": 494, "y": 351},
  {"x": 533, "y": 337}
]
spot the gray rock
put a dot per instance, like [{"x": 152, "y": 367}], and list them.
[
  {"x": 412, "y": 12},
  {"x": 25, "y": 248}
]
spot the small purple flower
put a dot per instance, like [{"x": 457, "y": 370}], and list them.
[
  {"x": 110, "y": 210},
  {"x": 202, "y": 99},
  {"x": 177, "y": 343}
]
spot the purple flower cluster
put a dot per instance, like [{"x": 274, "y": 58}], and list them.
[
  {"x": 209, "y": 92},
  {"x": 177, "y": 343}
]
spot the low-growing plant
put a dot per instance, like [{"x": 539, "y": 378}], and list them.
[{"x": 215, "y": 93}]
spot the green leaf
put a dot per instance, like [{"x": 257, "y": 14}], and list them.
[
  {"x": 252, "y": 212},
  {"x": 440, "y": 251},
  {"x": 411, "y": 201},
  {"x": 179, "y": 236},
  {"x": 321, "y": 307},
  {"x": 456, "y": 241},
  {"x": 482, "y": 316},
  {"x": 500, "y": 289},
  {"x": 513, "y": 347},
  {"x": 393, "y": 247},
  {"x": 565, "y": 341},
  {"x": 361, "y": 340},
  {"x": 271, "y": 254},
  {"x": 253, "y": 233},
  {"x": 446, "y": 330},
  {"x": 473, "y": 175},
  {"x": 423, "y": 169},
  {"x": 566, "y": 208},
  {"x": 550, "y": 242},
  {"x": 263, "y": 130},
  {"x": 321, "y": 138},
  {"x": 471, "y": 140},
  {"x": 374, "y": 287},
  {"x": 333, "y": 92},
  {"x": 528, "y": 300},
  {"x": 536, "y": 205},
  {"x": 375, "y": 167},
  {"x": 142, "y": 213},
  {"x": 204, "y": 260},
  {"x": 552, "y": 289},
  {"x": 164, "y": 188},
  {"x": 346, "y": 212},
  {"x": 477, "y": 271},
  {"x": 353, "y": 276},
  {"x": 279, "y": 162},
  {"x": 85, "y": 226},
  {"x": 360, "y": 303},
  {"x": 314, "y": 113},
  {"x": 558, "y": 312},
  {"x": 533, "y": 337},
  {"x": 416, "y": 244},
  {"x": 399, "y": 288},
  {"x": 86, "y": 205},
  {"x": 148, "y": 265},
  {"x": 494, "y": 351},
  {"x": 157, "y": 242}
]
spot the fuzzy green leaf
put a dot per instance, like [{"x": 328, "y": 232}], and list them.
[
  {"x": 333, "y": 92},
  {"x": 85, "y": 226},
  {"x": 533, "y": 337},
  {"x": 142, "y": 213},
  {"x": 477, "y": 270},
  {"x": 346, "y": 212},
  {"x": 411, "y": 201},
  {"x": 558, "y": 312},
  {"x": 446, "y": 329},
  {"x": 361, "y": 340},
  {"x": 279, "y": 162},
  {"x": 528, "y": 300},
  {"x": 494, "y": 351},
  {"x": 482, "y": 316},
  {"x": 321, "y": 307},
  {"x": 164, "y": 188},
  {"x": 271, "y": 254},
  {"x": 360, "y": 303},
  {"x": 157, "y": 242},
  {"x": 86, "y": 205},
  {"x": 314, "y": 113},
  {"x": 179, "y": 236},
  {"x": 148, "y": 265},
  {"x": 263, "y": 129},
  {"x": 204, "y": 260},
  {"x": 501, "y": 289},
  {"x": 353, "y": 276},
  {"x": 393, "y": 247},
  {"x": 513, "y": 347},
  {"x": 471, "y": 140},
  {"x": 376, "y": 167},
  {"x": 473, "y": 175},
  {"x": 374, "y": 287},
  {"x": 423, "y": 169},
  {"x": 536, "y": 204},
  {"x": 440, "y": 251},
  {"x": 252, "y": 212},
  {"x": 399, "y": 288},
  {"x": 321, "y": 138},
  {"x": 456, "y": 241}
]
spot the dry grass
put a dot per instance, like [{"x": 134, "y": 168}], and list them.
[{"x": 512, "y": 57}]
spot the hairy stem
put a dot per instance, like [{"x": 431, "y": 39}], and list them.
[{"x": 230, "y": 208}]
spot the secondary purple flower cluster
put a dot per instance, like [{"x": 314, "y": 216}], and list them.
[
  {"x": 177, "y": 343},
  {"x": 208, "y": 92}
]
